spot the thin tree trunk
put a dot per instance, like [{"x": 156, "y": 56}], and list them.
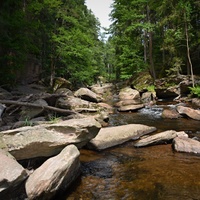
[
  {"x": 151, "y": 55},
  {"x": 188, "y": 51},
  {"x": 152, "y": 69},
  {"x": 145, "y": 46}
]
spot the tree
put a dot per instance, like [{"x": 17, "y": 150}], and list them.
[
  {"x": 63, "y": 35},
  {"x": 158, "y": 35}
]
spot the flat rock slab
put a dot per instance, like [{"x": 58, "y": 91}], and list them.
[
  {"x": 159, "y": 138},
  {"x": 130, "y": 108},
  {"x": 190, "y": 112},
  {"x": 48, "y": 140},
  {"x": 56, "y": 172},
  {"x": 112, "y": 136},
  {"x": 188, "y": 145}
]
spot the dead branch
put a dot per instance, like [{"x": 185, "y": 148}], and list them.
[{"x": 59, "y": 110}]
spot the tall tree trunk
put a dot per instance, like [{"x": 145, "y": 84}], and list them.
[
  {"x": 152, "y": 69},
  {"x": 52, "y": 76},
  {"x": 145, "y": 46},
  {"x": 188, "y": 50}
]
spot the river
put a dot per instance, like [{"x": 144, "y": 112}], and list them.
[{"x": 150, "y": 173}]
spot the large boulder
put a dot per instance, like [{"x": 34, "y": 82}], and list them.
[
  {"x": 77, "y": 104},
  {"x": 12, "y": 174},
  {"x": 88, "y": 95},
  {"x": 170, "y": 113},
  {"x": 184, "y": 144},
  {"x": 112, "y": 136},
  {"x": 104, "y": 89},
  {"x": 190, "y": 112},
  {"x": 28, "y": 113},
  {"x": 148, "y": 97},
  {"x": 48, "y": 140},
  {"x": 159, "y": 138},
  {"x": 56, "y": 173},
  {"x": 128, "y": 94}
]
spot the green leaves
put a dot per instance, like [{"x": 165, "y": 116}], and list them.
[
  {"x": 63, "y": 35},
  {"x": 153, "y": 34}
]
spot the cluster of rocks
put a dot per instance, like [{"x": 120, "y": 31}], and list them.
[
  {"x": 60, "y": 143},
  {"x": 84, "y": 117}
]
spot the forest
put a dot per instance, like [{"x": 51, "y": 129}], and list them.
[{"x": 64, "y": 36}]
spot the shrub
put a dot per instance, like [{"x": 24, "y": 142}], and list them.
[{"x": 195, "y": 91}]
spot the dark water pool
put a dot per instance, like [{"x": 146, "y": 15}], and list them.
[{"x": 150, "y": 173}]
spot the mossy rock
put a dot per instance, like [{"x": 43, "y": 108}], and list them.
[{"x": 141, "y": 81}]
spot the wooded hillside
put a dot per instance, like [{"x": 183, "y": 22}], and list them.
[{"x": 62, "y": 38}]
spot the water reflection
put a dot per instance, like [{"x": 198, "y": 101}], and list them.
[
  {"x": 125, "y": 172},
  {"x": 150, "y": 173}
]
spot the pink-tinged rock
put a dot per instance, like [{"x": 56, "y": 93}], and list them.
[
  {"x": 184, "y": 144},
  {"x": 12, "y": 174},
  {"x": 170, "y": 114},
  {"x": 192, "y": 113},
  {"x": 160, "y": 138},
  {"x": 56, "y": 173}
]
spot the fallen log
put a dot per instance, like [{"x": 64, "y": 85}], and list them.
[{"x": 59, "y": 110}]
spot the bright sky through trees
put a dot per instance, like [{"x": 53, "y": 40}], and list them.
[{"x": 101, "y": 9}]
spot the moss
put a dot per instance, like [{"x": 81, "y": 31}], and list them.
[{"x": 141, "y": 81}]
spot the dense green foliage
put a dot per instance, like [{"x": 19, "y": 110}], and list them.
[
  {"x": 62, "y": 35},
  {"x": 195, "y": 91},
  {"x": 161, "y": 36}
]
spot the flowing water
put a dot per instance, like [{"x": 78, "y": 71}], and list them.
[{"x": 149, "y": 173}]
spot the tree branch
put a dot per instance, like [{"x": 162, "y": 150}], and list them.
[{"x": 59, "y": 110}]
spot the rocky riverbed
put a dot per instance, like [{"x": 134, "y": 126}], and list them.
[{"x": 38, "y": 126}]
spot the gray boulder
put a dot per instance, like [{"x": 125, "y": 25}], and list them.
[
  {"x": 112, "y": 136},
  {"x": 56, "y": 173},
  {"x": 47, "y": 140},
  {"x": 12, "y": 174},
  {"x": 28, "y": 113}
]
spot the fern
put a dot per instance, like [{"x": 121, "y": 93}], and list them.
[{"x": 195, "y": 91}]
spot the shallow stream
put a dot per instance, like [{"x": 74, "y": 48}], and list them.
[{"x": 149, "y": 173}]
